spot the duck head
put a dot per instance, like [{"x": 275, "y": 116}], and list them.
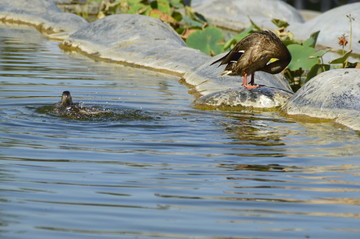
[
  {"x": 66, "y": 99},
  {"x": 276, "y": 65}
]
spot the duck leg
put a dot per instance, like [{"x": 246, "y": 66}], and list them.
[
  {"x": 251, "y": 86},
  {"x": 252, "y": 82},
  {"x": 245, "y": 79}
]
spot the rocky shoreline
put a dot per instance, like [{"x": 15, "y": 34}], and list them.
[{"x": 148, "y": 42}]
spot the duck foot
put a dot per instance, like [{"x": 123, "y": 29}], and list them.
[{"x": 251, "y": 86}]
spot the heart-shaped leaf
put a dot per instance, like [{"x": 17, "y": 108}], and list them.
[
  {"x": 208, "y": 40},
  {"x": 301, "y": 57}
]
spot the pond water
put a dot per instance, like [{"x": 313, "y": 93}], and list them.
[{"x": 162, "y": 168}]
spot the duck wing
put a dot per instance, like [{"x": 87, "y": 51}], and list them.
[
  {"x": 231, "y": 57},
  {"x": 245, "y": 44}
]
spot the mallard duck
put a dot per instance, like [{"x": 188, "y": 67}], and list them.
[
  {"x": 259, "y": 51},
  {"x": 67, "y": 107},
  {"x": 66, "y": 100}
]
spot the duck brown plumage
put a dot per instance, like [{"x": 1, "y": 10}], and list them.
[
  {"x": 66, "y": 99},
  {"x": 67, "y": 107},
  {"x": 66, "y": 104},
  {"x": 259, "y": 51}
]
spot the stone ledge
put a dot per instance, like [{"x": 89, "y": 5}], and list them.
[
  {"x": 42, "y": 14},
  {"x": 334, "y": 94}
]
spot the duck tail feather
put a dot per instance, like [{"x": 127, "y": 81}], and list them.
[
  {"x": 219, "y": 60},
  {"x": 226, "y": 72},
  {"x": 222, "y": 60}
]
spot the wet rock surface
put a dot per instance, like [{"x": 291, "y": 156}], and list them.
[
  {"x": 333, "y": 94},
  {"x": 262, "y": 97},
  {"x": 137, "y": 40},
  {"x": 41, "y": 14}
]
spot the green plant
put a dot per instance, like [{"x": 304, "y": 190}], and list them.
[
  {"x": 210, "y": 40},
  {"x": 182, "y": 18},
  {"x": 307, "y": 61}
]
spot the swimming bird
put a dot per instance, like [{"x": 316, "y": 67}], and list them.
[
  {"x": 259, "y": 51},
  {"x": 67, "y": 107},
  {"x": 66, "y": 99}
]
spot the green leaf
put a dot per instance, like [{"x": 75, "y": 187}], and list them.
[
  {"x": 155, "y": 13},
  {"x": 164, "y": 6},
  {"x": 133, "y": 1},
  {"x": 146, "y": 11},
  {"x": 279, "y": 23},
  {"x": 180, "y": 30},
  {"x": 342, "y": 59},
  {"x": 199, "y": 17},
  {"x": 177, "y": 16},
  {"x": 311, "y": 42},
  {"x": 289, "y": 42},
  {"x": 320, "y": 53},
  {"x": 191, "y": 22},
  {"x": 301, "y": 57},
  {"x": 207, "y": 40},
  {"x": 195, "y": 16},
  {"x": 317, "y": 69},
  {"x": 135, "y": 8},
  {"x": 176, "y": 3},
  {"x": 254, "y": 25}
]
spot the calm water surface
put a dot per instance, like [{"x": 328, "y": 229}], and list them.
[{"x": 177, "y": 172}]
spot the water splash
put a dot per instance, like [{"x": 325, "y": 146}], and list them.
[{"x": 94, "y": 113}]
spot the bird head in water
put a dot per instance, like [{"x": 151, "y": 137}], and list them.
[{"x": 66, "y": 99}]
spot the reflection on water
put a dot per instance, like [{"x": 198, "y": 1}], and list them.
[{"x": 154, "y": 166}]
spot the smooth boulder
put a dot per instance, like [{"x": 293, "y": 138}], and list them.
[
  {"x": 137, "y": 40},
  {"x": 334, "y": 94},
  {"x": 236, "y": 14},
  {"x": 42, "y": 14},
  {"x": 332, "y": 24}
]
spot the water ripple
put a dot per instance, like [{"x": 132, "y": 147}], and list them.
[{"x": 156, "y": 167}]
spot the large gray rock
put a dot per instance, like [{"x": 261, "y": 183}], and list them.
[
  {"x": 42, "y": 14},
  {"x": 235, "y": 14},
  {"x": 332, "y": 24},
  {"x": 217, "y": 90},
  {"x": 334, "y": 94},
  {"x": 137, "y": 40},
  {"x": 262, "y": 98}
]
